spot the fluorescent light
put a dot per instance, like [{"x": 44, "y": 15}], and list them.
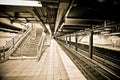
[
  {"x": 62, "y": 25},
  {"x": 59, "y": 30},
  {"x": 117, "y": 33},
  {"x": 20, "y": 3},
  {"x": 48, "y": 27}
]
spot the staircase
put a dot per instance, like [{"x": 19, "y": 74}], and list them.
[{"x": 28, "y": 48}]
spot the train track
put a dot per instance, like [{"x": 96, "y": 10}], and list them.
[
  {"x": 114, "y": 67},
  {"x": 90, "y": 68},
  {"x": 116, "y": 61},
  {"x": 105, "y": 56},
  {"x": 108, "y": 61}
]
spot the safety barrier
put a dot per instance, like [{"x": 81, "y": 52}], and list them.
[
  {"x": 40, "y": 46},
  {"x": 23, "y": 45},
  {"x": 11, "y": 45}
]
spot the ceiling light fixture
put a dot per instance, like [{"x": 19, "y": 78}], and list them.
[
  {"x": 48, "y": 27},
  {"x": 21, "y": 3},
  {"x": 61, "y": 26}
]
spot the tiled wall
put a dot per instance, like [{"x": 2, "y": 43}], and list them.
[
  {"x": 101, "y": 39},
  {"x": 5, "y": 37}
]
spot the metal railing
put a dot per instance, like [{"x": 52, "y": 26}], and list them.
[
  {"x": 8, "y": 45},
  {"x": 24, "y": 44},
  {"x": 12, "y": 44},
  {"x": 2, "y": 52},
  {"x": 40, "y": 46}
]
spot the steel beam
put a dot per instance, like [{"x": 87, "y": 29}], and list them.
[{"x": 91, "y": 44}]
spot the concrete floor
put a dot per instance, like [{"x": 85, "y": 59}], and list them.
[{"x": 53, "y": 65}]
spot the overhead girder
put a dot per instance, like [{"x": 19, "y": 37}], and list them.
[
  {"x": 8, "y": 30},
  {"x": 78, "y": 14},
  {"x": 63, "y": 6},
  {"x": 73, "y": 21},
  {"x": 90, "y": 13},
  {"x": 6, "y": 26}
]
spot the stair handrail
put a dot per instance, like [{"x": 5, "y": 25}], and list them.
[
  {"x": 40, "y": 45},
  {"x": 14, "y": 47},
  {"x": 23, "y": 45}
]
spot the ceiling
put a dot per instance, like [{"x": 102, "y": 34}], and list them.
[{"x": 65, "y": 16}]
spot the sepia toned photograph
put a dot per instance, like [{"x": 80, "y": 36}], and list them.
[{"x": 59, "y": 39}]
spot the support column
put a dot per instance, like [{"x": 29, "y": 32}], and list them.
[
  {"x": 91, "y": 44},
  {"x": 3, "y": 52},
  {"x": 33, "y": 31},
  {"x": 48, "y": 39},
  {"x": 76, "y": 42},
  {"x": 70, "y": 40},
  {"x": 13, "y": 42},
  {"x": 66, "y": 39}
]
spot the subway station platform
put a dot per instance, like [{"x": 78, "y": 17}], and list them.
[
  {"x": 53, "y": 65},
  {"x": 59, "y": 40}
]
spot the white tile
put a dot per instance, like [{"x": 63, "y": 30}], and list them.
[{"x": 42, "y": 78}]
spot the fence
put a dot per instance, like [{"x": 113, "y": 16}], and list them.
[
  {"x": 40, "y": 46},
  {"x": 12, "y": 44}
]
